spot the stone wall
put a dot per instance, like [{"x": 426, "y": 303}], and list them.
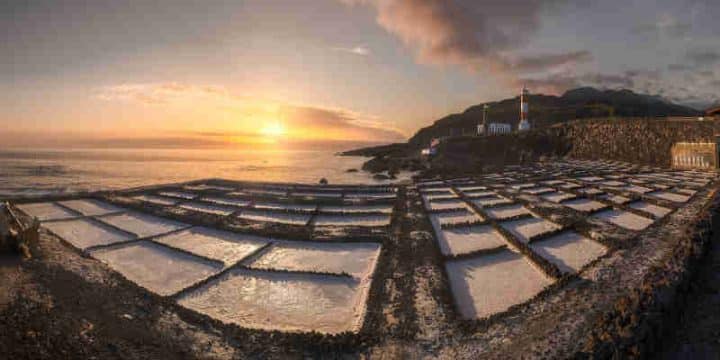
[{"x": 640, "y": 141}]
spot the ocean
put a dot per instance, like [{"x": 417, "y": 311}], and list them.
[{"x": 32, "y": 172}]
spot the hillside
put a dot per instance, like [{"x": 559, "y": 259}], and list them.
[{"x": 546, "y": 110}]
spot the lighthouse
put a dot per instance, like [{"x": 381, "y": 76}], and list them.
[{"x": 524, "y": 124}]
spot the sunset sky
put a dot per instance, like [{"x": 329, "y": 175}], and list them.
[{"x": 180, "y": 72}]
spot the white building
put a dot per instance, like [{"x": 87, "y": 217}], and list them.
[{"x": 499, "y": 128}]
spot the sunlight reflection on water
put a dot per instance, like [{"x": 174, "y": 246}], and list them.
[{"x": 41, "y": 172}]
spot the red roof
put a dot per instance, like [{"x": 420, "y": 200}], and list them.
[{"x": 713, "y": 111}]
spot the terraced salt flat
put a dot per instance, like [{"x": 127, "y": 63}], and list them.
[
  {"x": 467, "y": 189},
  {"x": 208, "y": 208},
  {"x": 445, "y": 204},
  {"x": 613, "y": 183},
  {"x": 570, "y": 186},
  {"x": 159, "y": 269},
  {"x": 439, "y": 196},
  {"x": 267, "y": 192},
  {"x": 526, "y": 229},
  {"x": 479, "y": 193},
  {"x": 269, "y": 205},
  {"x": 657, "y": 211},
  {"x": 453, "y": 217},
  {"x": 637, "y": 189},
  {"x": 379, "y": 208},
  {"x": 371, "y": 195},
  {"x": 591, "y": 191},
  {"x": 91, "y": 207},
  {"x": 158, "y": 200},
  {"x": 355, "y": 259},
  {"x": 507, "y": 211},
  {"x": 624, "y": 219},
  {"x": 491, "y": 201},
  {"x": 466, "y": 239},
  {"x": 690, "y": 192},
  {"x": 275, "y": 217},
  {"x": 226, "y": 201},
  {"x": 539, "y": 190},
  {"x": 352, "y": 220},
  {"x": 523, "y": 186},
  {"x": 616, "y": 199},
  {"x": 592, "y": 178},
  {"x": 179, "y": 194},
  {"x": 674, "y": 197},
  {"x": 317, "y": 195},
  {"x": 492, "y": 283},
  {"x": 223, "y": 246},
  {"x": 570, "y": 251},
  {"x": 282, "y": 301},
  {"x": 557, "y": 197},
  {"x": 436, "y": 190},
  {"x": 205, "y": 187},
  {"x": 584, "y": 205},
  {"x": 85, "y": 233},
  {"x": 142, "y": 225},
  {"x": 47, "y": 211}
]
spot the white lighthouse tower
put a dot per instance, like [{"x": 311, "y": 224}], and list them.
[{"x": 524, "y": 122}]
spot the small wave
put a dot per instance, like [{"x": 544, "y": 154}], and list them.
[
  {"x": 261, "y": 168},
  {"x": 35, "y": 170}
]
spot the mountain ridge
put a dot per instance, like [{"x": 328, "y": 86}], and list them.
[{"x": 548, "y": 110}]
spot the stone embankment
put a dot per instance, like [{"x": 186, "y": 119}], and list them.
[
  {"x": 642, "y": 141},
  {"x": 639, "y": 141}
]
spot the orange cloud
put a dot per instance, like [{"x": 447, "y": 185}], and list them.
[{"x": 300, "y": 121}]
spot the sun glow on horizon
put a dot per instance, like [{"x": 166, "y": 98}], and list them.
[{"x": 274, "y": 129}]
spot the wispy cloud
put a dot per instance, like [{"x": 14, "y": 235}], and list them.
[{"x": 361, "y": 50}]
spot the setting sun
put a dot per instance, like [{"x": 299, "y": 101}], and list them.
[{"x": 273, "y": 130}]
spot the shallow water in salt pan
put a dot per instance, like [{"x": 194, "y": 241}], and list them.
[
  {"x": 491, "y": 283},
  {"x": 356, "y": 259},
  {"x": 624, "y": 219},
  {"x": 142, "y": 225},
  {"x": 584, "y": 205},
  {"x": 665, "y": 195},
  {"x": 382, "y": 208},
  {"x": 215, "y": 244},
  {"x": 179, "y": 194},
  {"x": 557, "y": 197},
  {"x": 208, "y": 208},
  {"x": 276, "y": 217},
  {"x": 352, "y": 220},
  {"x": 657, "y": 211},
  {"x": 466, "y": 239},
  {"x": 47, "y": 211},
  {"x": 570, "y": 251},
  {"x": 453, "y": 217},
  {"x": 91, "y": 207},
  {"x": 226, "y": 201},
  {"x": 84, "y": 233},
  {"x": 507, "y": 211},
  {"x": 282, "y": 301},
  {"x": 526, "y": 229},
  {"x": 158, "y": 200},
  {"x": 157, "y": 268},
  {"x": 445, "y": 204}
]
